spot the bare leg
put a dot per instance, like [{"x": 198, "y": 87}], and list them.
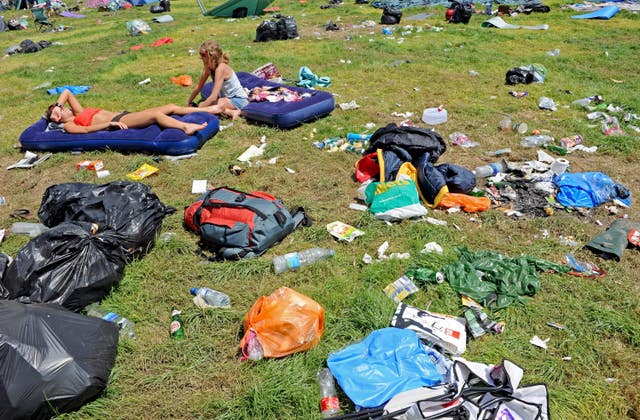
[
  {"x": 147, "y": 117},
  {"x": 229, "y": 109},
  {"x": 184, "y": 110}
]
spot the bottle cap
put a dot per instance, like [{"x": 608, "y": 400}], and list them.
[{"x": 194, "y": 291}]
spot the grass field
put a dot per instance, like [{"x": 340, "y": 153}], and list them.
[{"x": 201, "y": 377}]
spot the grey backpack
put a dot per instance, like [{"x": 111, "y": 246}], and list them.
[{"x": 234, "y": 224}]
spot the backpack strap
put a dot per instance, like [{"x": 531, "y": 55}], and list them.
[{"x": 300, "y": 218}]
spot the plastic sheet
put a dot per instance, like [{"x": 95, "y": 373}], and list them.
[
  {"x": 285, "y": 322},
  {"x": 70, "y": 265},
  {"x": 52, "y": 360},
  {"x": 589, "y": 189},
  {"x": 386, "y": 362},
  {"x": 130, "y": 208},
  {"x": 495, "y": 279}
]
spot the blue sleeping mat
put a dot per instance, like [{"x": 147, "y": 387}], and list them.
[
  {"x": 282, "y": 114},
  {"x": 152, "y": 139},
  {"x": 606, "y": 12}
]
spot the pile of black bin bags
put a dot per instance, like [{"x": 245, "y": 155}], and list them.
[{"x": 53, "y": 359}]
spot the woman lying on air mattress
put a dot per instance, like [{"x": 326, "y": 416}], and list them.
[{"x": 168, "y": 129}]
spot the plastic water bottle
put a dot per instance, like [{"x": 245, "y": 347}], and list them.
[
  {"x": 125, "y": 326},
  {"x": 212, "y": 297},
  {"x": 26, "y": 228},
  {"x": 536, "y": 141},
  {"x": 295, "y": 260},
  {"x": 329, "y": 403},
  {"x": 486, "y": 171}
]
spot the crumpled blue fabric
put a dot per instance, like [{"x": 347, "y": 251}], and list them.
[
  {"x": 589, "y": 189},
  {"x": 76, "y": 90},
  {"x": 386, "y": 362},
  {"x": 307, "y": 79}
]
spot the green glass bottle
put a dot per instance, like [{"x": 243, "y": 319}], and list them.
[
  {"x": 559, "y": 150},
  {"x": 175, "y": 329}
]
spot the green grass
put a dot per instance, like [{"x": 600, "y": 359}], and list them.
[{"x": 201, "y": 377}]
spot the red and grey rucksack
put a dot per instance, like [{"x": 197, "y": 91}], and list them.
[{"x": 234, "y": 224}]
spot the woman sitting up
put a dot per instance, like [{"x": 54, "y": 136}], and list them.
[{"x": 77, "y": 119}]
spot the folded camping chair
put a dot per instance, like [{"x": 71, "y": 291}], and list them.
[{"x": 40, "y": 19}]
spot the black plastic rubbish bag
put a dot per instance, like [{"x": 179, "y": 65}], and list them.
[
  {"x": 130, "y": 208},
  {"x": 72, "y": 264},
  {"x": 51, "y": 360}
]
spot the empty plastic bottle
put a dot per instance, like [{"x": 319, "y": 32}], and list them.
[
  {"x": 295, "y": 260},
  {"x": 329, "y": 403},
  {"x": 125, "y": 326},
  {"x": 536, "y": 141},
  {"x": 486, "y": 171},
  {"x": 212, "y": 297},
  {"x": 27, "y": 228}
]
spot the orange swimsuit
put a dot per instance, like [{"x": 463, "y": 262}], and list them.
[{"x": 86, "y": 116}]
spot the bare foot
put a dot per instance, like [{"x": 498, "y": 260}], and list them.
[
  {"x": 234, "y": 113},
  {"x": 192, "y": 128}
]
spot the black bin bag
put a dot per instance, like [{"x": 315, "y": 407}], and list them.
[
  {"x": 130, "y": 208},
  {"x": 51, "y": 360},
  {"x": 72, "y": 264}
]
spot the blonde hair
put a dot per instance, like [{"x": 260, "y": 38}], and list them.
[{"x": 213, "y": 52}]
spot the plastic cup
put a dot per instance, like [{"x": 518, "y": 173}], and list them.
[{"x": 505, "y": 124}]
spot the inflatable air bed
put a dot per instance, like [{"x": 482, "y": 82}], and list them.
[
  {"x": 282, "y": 114},
  {"x": 152, "y": 139}
]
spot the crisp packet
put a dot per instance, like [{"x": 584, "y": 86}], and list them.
[
  {"x": 400, "y": 289},
  {"x": 343, "y": 231},
  {"x": 142, "y": 172}
]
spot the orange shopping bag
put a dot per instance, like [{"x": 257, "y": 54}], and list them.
[{"x": 284, "y": 322}]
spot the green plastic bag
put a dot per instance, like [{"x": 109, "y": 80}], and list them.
[
  {"x": 394, "y": 200},
  {"x": 496, "y": 280}
]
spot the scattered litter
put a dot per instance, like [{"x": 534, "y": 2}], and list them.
[
  {"x": 30, "y": 160},
  {"x": 610, "y": 380},
  {"x": 583, "y": 268},
  {"x": 479, "y": 323},
  {"x": 349, "y": 105},
  {"x": 461, "y": 139},
  {"x": 289, "y": 170},
  {"x": 567, "y": 358},
  {"x": 517, "y": 94},
  {"x": 553, "y": 53},
  {"x": 473, "y": 73},
  {"x": 547, "y": 103},
  {"x": 431, "y": 247},
  {"x": 103, "y": 174},
  {"x": 199, "y": 186},
  {"x": 273, "y": 160},
  {"x": 567, "y": 240},
  {"x": 358, "y": 207},
  {"x": 3, "y": 201},
  {"x": 343, "y": 231},
  {"x": 180, "y": 157},
  {"x": 367, "y": 259},
  {"x": 437, "y": 222},
  {"x": 557, "y": 325},
  {"x": 252, "y": 152},
  {"x": 400, "y": 289},
  {"x": 3, "y": 232},
  {"x": 142, "y": 172},
  {"x": 538, "y": 342},
  {"x": 407, "y": 114},
  {"x": 370, "y": 126},
  {"x": 90, "y": 165},
  {"x": 145, "y": 81},
  {"x": 235, "y": 169},
  {"x": 224, "y": 127}
]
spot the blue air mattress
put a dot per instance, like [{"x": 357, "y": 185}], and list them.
[
  {"x": 282, "y": 114},
  {"x": 152, "y": 139}
]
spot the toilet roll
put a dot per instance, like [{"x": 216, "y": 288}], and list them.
[{"x": 559, "y": 166}]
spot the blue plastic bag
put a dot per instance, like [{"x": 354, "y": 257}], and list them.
[
  {"x": 589, "y": 189},
  {"x": 386, "y": 362}
]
